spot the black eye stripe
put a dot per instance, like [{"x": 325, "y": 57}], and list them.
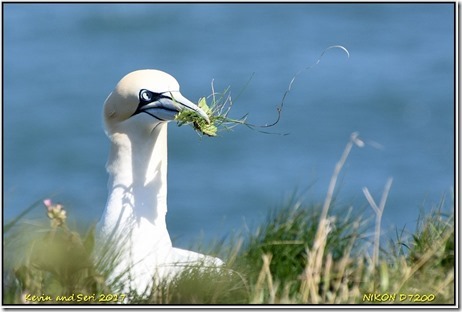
[{"x": 147, "y": 97}]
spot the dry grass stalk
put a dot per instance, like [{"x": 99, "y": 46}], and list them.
[
  {"x": 378, "y": 209},
  {"x": 265, "y": 274}
]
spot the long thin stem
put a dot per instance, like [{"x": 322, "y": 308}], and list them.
[
  {"x": 354, "y": 140},
  {"x": 378, "y": 216}
]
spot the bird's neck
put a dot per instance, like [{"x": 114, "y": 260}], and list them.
[{"x": 137, "y": 185}]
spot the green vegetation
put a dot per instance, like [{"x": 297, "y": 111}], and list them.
[
  {"x": 199, "y": 124},
  {"x": 217, "y": 112},
  {"x": 282, "y": 262}
]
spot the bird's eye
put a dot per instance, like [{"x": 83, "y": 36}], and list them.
[{"x": 146, "y": 96}]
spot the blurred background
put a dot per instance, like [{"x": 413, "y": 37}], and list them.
[{"x": 396, "y": 89}]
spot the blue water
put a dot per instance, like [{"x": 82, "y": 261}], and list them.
[{"x": 396, "y": 90}]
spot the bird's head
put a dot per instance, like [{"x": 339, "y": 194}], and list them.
[{"x": 147, "y": 92}]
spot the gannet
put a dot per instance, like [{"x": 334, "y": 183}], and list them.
[{"x": 136, "y": 114}]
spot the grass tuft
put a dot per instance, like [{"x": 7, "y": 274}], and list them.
[{"x": 217, "y": 112}]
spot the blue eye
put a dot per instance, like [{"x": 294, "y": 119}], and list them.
[{"x": 146, "y": 96}]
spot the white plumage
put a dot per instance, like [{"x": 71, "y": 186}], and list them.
[{"x": 135, "y": 120}]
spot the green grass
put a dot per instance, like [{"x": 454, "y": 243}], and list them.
[
  {"x": 278, "y": 263},
  {"x": 304, "y": 253}
]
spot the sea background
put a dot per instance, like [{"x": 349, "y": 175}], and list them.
[{"x": 60, "y": 61}]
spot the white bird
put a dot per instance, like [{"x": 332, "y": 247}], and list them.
[{"x": 135, "y": 120}]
